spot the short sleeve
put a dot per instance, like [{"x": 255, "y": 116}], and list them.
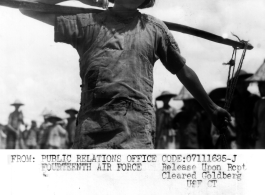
[
  {"x": 168, "y": 50},
  {"x": 68, "y": 30}
]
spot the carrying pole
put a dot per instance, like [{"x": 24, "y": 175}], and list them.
[{"x": 58, "y": 9}]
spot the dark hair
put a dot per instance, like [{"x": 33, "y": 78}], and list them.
[{"x": 146, "y": 3}]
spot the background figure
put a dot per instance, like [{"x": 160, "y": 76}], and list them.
[
  {"x": 258, "y": 129},
  {"x": 63, "y": 137},
  {"x": 55, "y": 133},
  {"x": 31, "y": 139},
  {"x": 14, "y": 135},
  {"x": 71, "y": 125},
  {"x": 205, "y": 137},
  {"x": 25, "y": 133},
  {"x": 218, "y": 96},
  {"x": 43, "y": 132},
  {"x": 164, "y": 131},
  {"x": 188, "y": 121},
  {"x": 2, "y": 137},
  {"x": 242, "y": 108}
]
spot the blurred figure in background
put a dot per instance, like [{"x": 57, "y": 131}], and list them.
[
  {"x": 218, "y": 96},
  {"x": 71, "y": 125},
  {"x": 43, "y": 131},
  {"x": 55, "y": 133},
  {"x": 258, "y": 130},
  {"x": 14, "y": 134},
  {"x": 25, "y": 133},
  {"x": 242, "y": 108},
  {"x": 205, "y": 137},
  {"x": 31, "y": 139},
  {"x": 188, "y": 121},
  {"x": 2, "y": 137},
  {"x": 64, "y": 137},
  {"x": 164, "y": 135}
]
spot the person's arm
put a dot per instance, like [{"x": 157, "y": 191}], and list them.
[
  {"x": 168, "y": 52},
  {"x": 189, "y": 79},
  {"x": 49, "y": 18}
]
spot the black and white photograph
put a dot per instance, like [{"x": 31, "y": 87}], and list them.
[{"x": 177, "y": 86}]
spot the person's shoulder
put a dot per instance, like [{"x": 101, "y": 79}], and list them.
[
  {"x": 86, "y": 19},
  {"x": 154, "y": 21}
]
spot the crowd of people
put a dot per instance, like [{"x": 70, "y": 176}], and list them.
[
  {"x": 53, "y": 133},
  {"x": 118, "y": 48},
  {"x": 191, "y": 128},
  {"x": 186, "y": 128}
]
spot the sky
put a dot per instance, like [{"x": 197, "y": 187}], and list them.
[{"x": 45, "y": 75}]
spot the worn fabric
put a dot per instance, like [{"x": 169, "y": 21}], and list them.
[
  {"x": 259, "y": 115},
  {"x": 56, "y": 137},
  {"x": 116, "y": 68},
  {"x": 165, "y": 134},
  {"x": 242, "y": 106}
]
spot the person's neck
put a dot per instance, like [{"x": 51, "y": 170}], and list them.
[{"x": 121, "y": 11}]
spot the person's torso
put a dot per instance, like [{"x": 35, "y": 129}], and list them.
[
  {"x": 54, "y": 137},
  {"x": 15, "y": 119},
  {"x": 117, "y": 59}
]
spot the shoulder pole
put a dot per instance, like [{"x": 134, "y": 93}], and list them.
[{"x": 58, "y": 9}]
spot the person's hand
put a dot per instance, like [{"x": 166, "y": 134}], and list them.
[
  {"x": 98, "y": 3},
  {"x": 220, "y": 118}
]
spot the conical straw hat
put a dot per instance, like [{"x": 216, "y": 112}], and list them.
[
  {"x": 146, "y": 3},
  {"x": 184, "y": 94},
  {"x": 166, "y": 94},
  {"x": 46, "y": 112},
  {"x": 218, "y": 94},
  {"x": 17, "y": 102},
  {"x": 71, "y": 110},
  {"x": 259, "y": 76},
  {"x": 53, "y": 116},
  {"x": 242, "y": 76}
]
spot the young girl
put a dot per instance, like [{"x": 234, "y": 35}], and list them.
[{"x": 118, "y": 49}]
